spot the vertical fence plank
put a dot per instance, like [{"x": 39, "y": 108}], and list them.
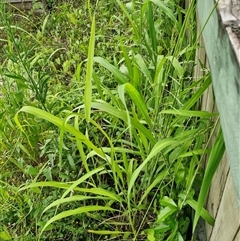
[
  {"x": 216, "y": 192},
  {"x": 222, "y": 200},
  {"x": 227, "y": 219}
]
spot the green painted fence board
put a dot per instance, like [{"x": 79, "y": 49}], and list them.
[{"x": 225, "y": 72}]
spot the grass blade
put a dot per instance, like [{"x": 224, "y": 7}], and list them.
[
  {"x": 123, "y": 116},
  {"x": 152, "y": 32},
  {"x": 75, "y": 212},
  {"x": 59, "y": 123},
  {"x": 143, "y": 67},
  {"x": 204, "y": 213},
  {"x": 156, "y": 149},
  {"x": 121, "y": 78},
  {"x": 89, "y": 73},
  {"x": 71, "y": 199},
  {"x": 190, "y": 113},
  {"x": 108, "y": 232},
  {"x": 136, "y": 98},
  {"x": 196, "y": 96},
  {"x": 213, "y": 162}
]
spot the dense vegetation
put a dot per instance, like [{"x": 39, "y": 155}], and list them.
[{"x": 101, "y": 137}]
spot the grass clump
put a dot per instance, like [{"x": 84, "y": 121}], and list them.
[{"x": 110, "y": 140}]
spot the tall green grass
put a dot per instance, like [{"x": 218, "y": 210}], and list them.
[{"x": 137, "y": 131}]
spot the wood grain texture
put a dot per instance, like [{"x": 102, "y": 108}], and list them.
[
  {"x": 227, "y": 219},
  {"x": 229, "y": 13},
  {"x": 216, "y": 193},
  {"x": 237, "y": 237}
]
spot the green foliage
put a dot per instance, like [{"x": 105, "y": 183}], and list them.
[{"x": 110, "y": 140}]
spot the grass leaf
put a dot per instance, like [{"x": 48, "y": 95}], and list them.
[
  {"x": 121, "y": 78},
  {"x": 190, "y": 113},
  {"x": 212, "y": 165},
  {"x": 123, "y": 116},
  {"x": 89, "y": 73},
  {"x": 156, "y": 149},
  {"x": 75, "y": 212},
  {"x": 59, "y": 123},
  {"x": 136, "y": 98},
  {"x": 204, "y": 213},
  {"x": 71, "y": 199}
]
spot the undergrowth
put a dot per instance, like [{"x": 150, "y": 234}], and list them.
[{"x": 101, "y": 136}]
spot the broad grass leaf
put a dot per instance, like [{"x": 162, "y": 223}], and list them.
[
  {"x": 59, "y": 123},
  {"x": 159, "y": 84},
  {"x": 152, "y": 31},
  {"x": 120, "y": 114},
  {"x": 73, "y": 186},
  {"x": 108, "y": 232},
  {"x": 127, "y": 60},
  {"x": 159, "y": 146},
  {"x": 121, "y": 78},
  {"x": 191, "y": 172},
  {"x": 44, "y": 24},
  {"x": 143, "y": 67},
  {"x": 73, "y": 198},
  {"x": 75, "y": 212},
  {"x": 121, "y": 150},
  {"x": 212, "y": 165},
  {"x": 21, "y": 81},
  {"x": 89, "y": 73},
  {"x": 204, "y": 213},
  {"x": 190, "y": 113},
  {"x": 194, "y": 153},
  {"x": 47, "y": 184},
  {"x": 137, "y": 76},
  {"x": 24, "y": 31},
  {"x": 136, "y": 98},
  {"x": 81, "y": 180},
  {"x": 158, "y": 77},
  {"x": 69, "y": 186}
]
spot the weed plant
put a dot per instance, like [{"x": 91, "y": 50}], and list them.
[{"x": 110, "y": 141}]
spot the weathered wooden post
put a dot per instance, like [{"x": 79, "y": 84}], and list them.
[{"x": 222, "y": 44}]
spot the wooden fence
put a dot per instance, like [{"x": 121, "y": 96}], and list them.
[{"x": 221, "y": 54}]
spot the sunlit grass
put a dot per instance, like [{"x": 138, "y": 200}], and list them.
[{"x": 110, "y": 132}]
